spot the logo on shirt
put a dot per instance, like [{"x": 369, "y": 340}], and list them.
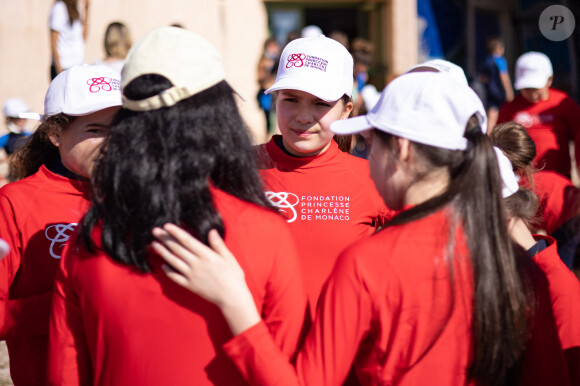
[
  {"x": 528, "y": 120},
  {"x": 311, "y": 208},
  {"x": 285, "y": 202},
  {"x": 302, "y": 60},
  {"x": 103, "y": 83},
  {"x": 58, "y": 235}
]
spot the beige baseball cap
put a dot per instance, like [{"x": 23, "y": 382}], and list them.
[{"x": 188, "y": 61}]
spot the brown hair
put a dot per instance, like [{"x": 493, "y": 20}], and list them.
[
  {"x": 38, "y": 150},
  {"x": 513, "y": 139},
  {"x": 72, "y": 9}
]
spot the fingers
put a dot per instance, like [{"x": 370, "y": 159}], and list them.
[
  {"x": 175, "y": 276},
  {"x": 218, "y": 244},
  {"x": 187, "y": 241},
  {"x": 176, "y": 262}
]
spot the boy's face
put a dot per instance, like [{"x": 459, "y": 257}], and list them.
[{"x": 535, "y": 95}]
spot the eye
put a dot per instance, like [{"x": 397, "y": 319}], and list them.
[
  {"x": 97, "y": 130},
  {"x": 323, "y": 104},
  {"x": 290, "y": 99}
]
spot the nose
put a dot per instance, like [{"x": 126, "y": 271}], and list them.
[{"x": 304, "y": 115}]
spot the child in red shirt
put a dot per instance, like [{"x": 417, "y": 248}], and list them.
[
  {"x": 40, "y": 211},
  {"x": 559, "y": 200},
  {"x": 418, "y": 302},
  {"x": 563, "y": 285},
  {"x": 178, "y": 151},
  {"x": 325, "y": 193},
  {"x": 550, "y": 116}
]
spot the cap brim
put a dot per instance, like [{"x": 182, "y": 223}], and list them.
[
  {"x": 530, "y": 83},
  {"x": 34, "y": 116},
  {"x": 290, "y": 83},
  {"x": 351, "y": 125}
]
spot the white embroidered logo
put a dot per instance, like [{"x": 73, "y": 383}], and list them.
[
  {"x": 285, "y": 202},
  {"x": 58, "y": 235}
]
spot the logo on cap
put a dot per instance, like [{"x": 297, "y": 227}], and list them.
[
  {"x": 102, "y": 83},
  {"x": 295, "y": 60}
]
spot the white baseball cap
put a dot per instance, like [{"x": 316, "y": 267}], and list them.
[
  {"x": 81, "y": 90},
  {"x": 319, "y": 66},
  {"x": 310, "y": 31},
  {"x": 425, "y": 107},
  {"x": 533, "y": 69},
  {"x": 440, "y": 65},
  {"x": 508, "y": 177},
  {"x": 188, "y": 61},
  {"x": 14, "y": 106}
]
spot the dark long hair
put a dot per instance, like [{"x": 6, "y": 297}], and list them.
[
  {"x": 502, "y": 292},
  {"x": 72, "y": 9},
  {"x": 38, "y": 149},
  {"x": 157, "y": 167}
]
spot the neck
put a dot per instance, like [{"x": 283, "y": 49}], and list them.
[
  {"x": 520, "y": 233},
  {"x": 426, "y": 188}
]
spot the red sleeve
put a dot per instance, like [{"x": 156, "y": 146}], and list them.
[
  {"x": 69, "y": 361},
  {"x": 285, "y": 309},
  {"x": 24, "y": 317},
  {"x": 564, "y": 290},
  {"x": 572, "y": 112},
  {"x": 544, "y": 363},
  {"x": 343, "y": 318}
]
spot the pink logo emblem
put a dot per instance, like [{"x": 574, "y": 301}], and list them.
[
  {"x": 98, "y": 84},
  {"x": 295, "y": 60}
]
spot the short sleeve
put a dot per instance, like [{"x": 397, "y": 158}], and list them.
[
  {"x": 501, "y": 64},
  {"x": 58, "y": 17}
]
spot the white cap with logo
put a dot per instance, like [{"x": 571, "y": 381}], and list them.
[
  {"x": 431, "y": 108},
  {"x": 319, "y": 66},
  {"x": 533, "y": 69},
  {"x": 81, "y": 90},
  {"x": 188, "y": 61}
]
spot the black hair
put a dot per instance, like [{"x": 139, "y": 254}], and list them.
[
  {"x": 157, "y": 167},
  {"x": 38, "y": 149},
  {"x": 502, "y": 291}
]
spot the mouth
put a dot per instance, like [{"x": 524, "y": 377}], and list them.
[{"x": 302, "y": 133}]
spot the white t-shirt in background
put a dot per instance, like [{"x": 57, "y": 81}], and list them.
[{"x": 70, "y": 44}]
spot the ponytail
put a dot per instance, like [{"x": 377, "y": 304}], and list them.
[{"x": 501, "y": 291}]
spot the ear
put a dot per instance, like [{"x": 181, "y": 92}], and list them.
[
  {"x": 403, "y": 147},
  {"x": 55, "y": 138},
  {"x": 549, "y": 82},
  {"x": 347, "y": 110}
]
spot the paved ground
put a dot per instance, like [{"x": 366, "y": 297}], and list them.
[{"x": 4, "y": 370}]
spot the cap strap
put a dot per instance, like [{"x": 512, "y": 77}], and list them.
[{"x": 166, "y": 98}]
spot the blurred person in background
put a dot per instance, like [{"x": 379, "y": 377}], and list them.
[
  {"x": 68, "y": 32},
  {"x": 117, "y": 43}
]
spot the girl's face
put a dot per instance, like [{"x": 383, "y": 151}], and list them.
[
  {"x": 80, "y": 143},
  {"x": 387, "y": 173},
  {"x": 304, "y": 121}
]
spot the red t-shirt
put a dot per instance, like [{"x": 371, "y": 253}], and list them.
[
  {"x": 559, "y": 199},
  {"x": 38, "y": 213},
  {"x": 551, "y": 124},
  {"x": 329, "y": 201},
  {"x": 565, "y": 296},
  {"x": 111, "y": 324},
  {"x": 390, "y": 310}
]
